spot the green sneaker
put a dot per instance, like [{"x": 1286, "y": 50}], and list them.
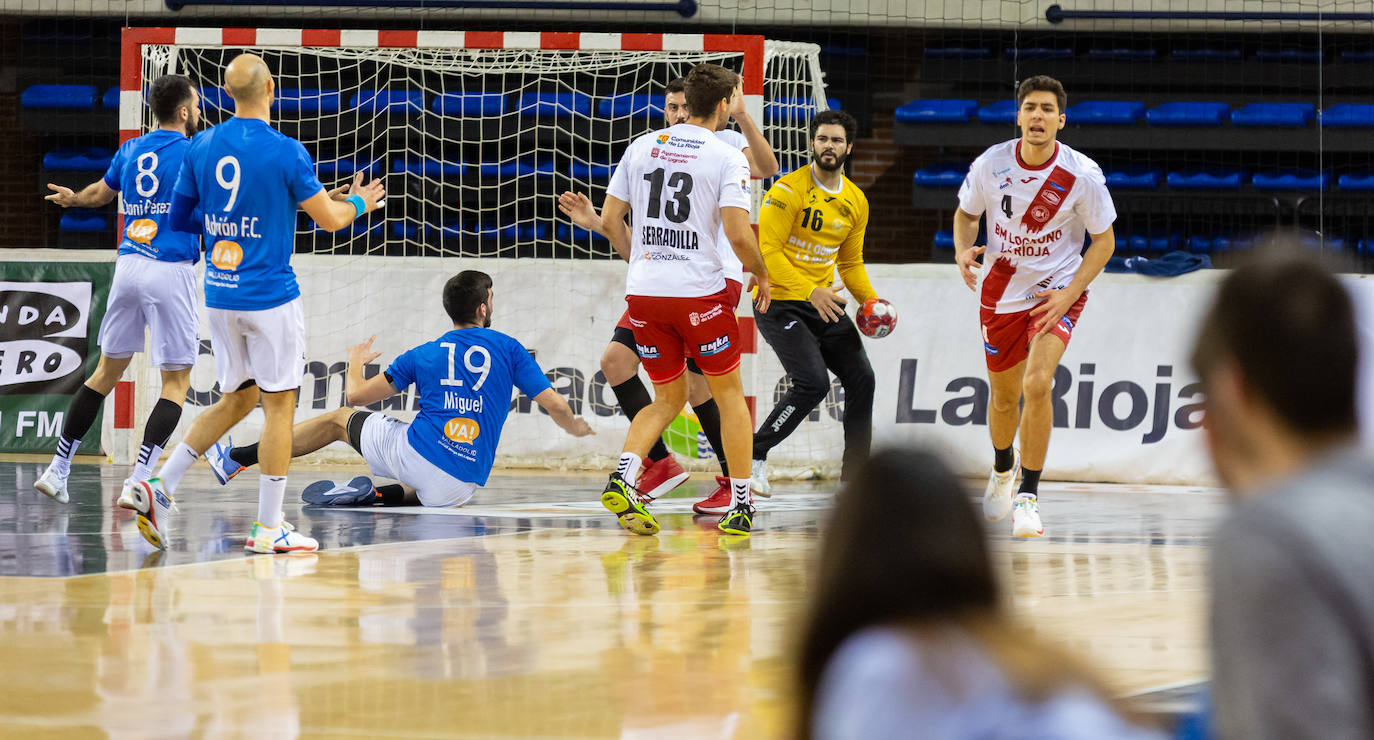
[
  {"x": 622, "y": 500},
  {"x": 737, "y": 521}
]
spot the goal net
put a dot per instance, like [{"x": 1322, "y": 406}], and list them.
[{"x": 476, "y": 135}]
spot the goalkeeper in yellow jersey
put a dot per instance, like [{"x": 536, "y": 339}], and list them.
[{"x": 812, "y": 222}]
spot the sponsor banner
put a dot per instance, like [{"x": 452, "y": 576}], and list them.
[
  {"x": 1127, "y": 407},
  {"x": 50, "y": 316}
]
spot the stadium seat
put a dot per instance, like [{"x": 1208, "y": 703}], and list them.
[
  {"x": 1364, "y": 56},
  {"x": 1206, "y": 179},
  {"x": 360, "y": 227},
  {"x": 429, "y": 167},
  {"x": 1188, "y": 114},
  {"x": 957, "y": 52},
  {"x": 1155, "y": 242},
  {"x": 345, "y": 166},
  {"x": 71, "y": 97},
  {"x": 1199, "y": 244},
  {"x": 1123, "y": 55},
  {"x": 1291, "y": 180},
  {"x": 78, "y": 160},
  {"x": 1274, "y": 114},
  {"x": 941, "y": 176},
  {"x": 555, "y": 105},
  {"x": 1348, "y": 115},
  {"x": 513, "y": 232},
  {"x": 944, "y": 240},
  {"x": 82, "y": 220},
  {"x": 791, "y": 110},
  {"x": 307, "y": 100},
  {"x": 110, "y": 99},
  {"x": 631, "y": 105},
  {"x": 1106, "y": 112},
  {"x": 1039, "y": 54},
  {"x": 568, "y": 232},
  {"x": 470, "y": 104},
  {"x": 1356, "y": 181},
  {"x": 937, "y": 111},
  {"x": 588, "y": 171},
  {"x": 215, "y": 98},
  {"x": 507, "y": 170},
  {"x": 1003, "y": 111},
  {"x": 403, "y": 229},
  {"x": 1207, "y": 55},
  {"x": 387, "y": 101},
  {"x": 1134, "y": 178},
  {"x": 1290, "y": 56}
]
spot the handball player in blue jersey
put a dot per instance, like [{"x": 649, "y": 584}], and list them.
[
  {"x": 240, "y": 185},
  {"x": 464, "y": 381},
  {"x": 154, "y": 284}
]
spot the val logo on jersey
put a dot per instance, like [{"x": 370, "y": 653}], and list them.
[
  {"x": 142, "y": 230},
  {"x": 226, "y": 255},
  {"x": 462, "y": 430}
]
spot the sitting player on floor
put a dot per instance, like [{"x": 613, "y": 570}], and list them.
[{"x": 464, "y": 380}]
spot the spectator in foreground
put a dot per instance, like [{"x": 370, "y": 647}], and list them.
[
  {"x": 1293, "y": 562},
  {"x": 907, "y": 636}
]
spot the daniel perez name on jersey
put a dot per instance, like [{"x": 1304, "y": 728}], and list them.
[{"x": 1037, "y": 219}]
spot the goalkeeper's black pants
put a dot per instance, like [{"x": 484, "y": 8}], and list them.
[{"x": 808, "y": 346}]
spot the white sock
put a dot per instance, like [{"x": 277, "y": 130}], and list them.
[
  {"x": 143, "y": 467},
  {"x": 628, "y": 467},
  {"x": 739, "y": 487},
  {"x": 62, "y": 461},
  {"x": 181, "y": 460},
  {"x": 271, "y": 492}
]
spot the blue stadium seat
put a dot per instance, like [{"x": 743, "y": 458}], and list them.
[
  {"x": 1356, "y": 181},
  {"x": 1199, "y": 243},
  {"x": 1039, "y": 54},
  {"x": 1291, "y": 180},
  {"x": 1206, "y": 179},
  {"x": 360, "y": 227},
  {"x": 215, "y": 98},
  {"x": 941, "y": 176},
  {"x": 1207, "y": 55},
  {"x": 1291, "y": 56},
  {"x": 306, "y": 100},
  {"x": 794, "y": 110},
  {"x": 1348, "y": 115},
  {"x": 1106, "y": 112},
  {"x": 1003, "y": 111},
  {"x": 1363, "y": 56},
  {"x": 568, "y": 232},
  {"x": 589, "y": 171},
  {"x": 937, "y": 111},
  {"x": 513, "y": 232},
  {"x": 1365, "y": 246},
  {"x": 555, "y": 105},
  {"x": 944, "y": 240},
  {"x": 1274, "y": 114},
  {"x": 469, "y": 104},
  {"x": 1185, "y": 113},
  {"x": 631, "y": 105},
  {"x": 1123, "y": 55},
  {"x": 428, "y": 167},
  {"x": 1155, "y": 242},
  {"x": 82, "y": 220},
  {"x": 507, "y": 170},
  {"x": 1134, "y": 178},
  {"x": 110, "y": 99},
  {"x": 342, "y": 166},
  {"x": 70, "y": 97},
  {"x": 402, "y": 229},
  {"x": 78, "y": 160},
  {"x": 387, "y": 101},
  {"x": 958, "y": 52}
]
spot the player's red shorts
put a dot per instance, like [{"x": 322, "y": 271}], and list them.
[
  {"x": 1007, "y": 336},
  {"x": 669, "y": 330},
  {"x": 733, "y": 290}
]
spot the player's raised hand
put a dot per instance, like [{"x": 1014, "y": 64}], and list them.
[
  {"x": 579, "y": 427},
  {"x": 828, "y": 302},
  {"x": 373, "y": 193},
  {"x": 62, "y": 196},
  {"x": 361, "y": 354},
  {"x": 737, "y": 101},
  {"x": 967, "y": 262},
  {"x": 1051, "y": 310},
  {"x": 578, "y": 208},
  {"x": 763, "y": 298}
]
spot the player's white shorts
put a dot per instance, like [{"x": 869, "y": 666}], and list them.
[
  {"x": 266, "y": 347},
  {"x": 160, "y": 296},
  {"x": 387, "y": 451}
]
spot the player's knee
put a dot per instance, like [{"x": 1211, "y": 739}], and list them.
[
  {"x": 1038, "y": 385},
  {"x": 1003, "y": 402},
  {"x": 618, "y": 364},
  {"x": 810, "y": 387},
  {"x": 859, "y": 384}
]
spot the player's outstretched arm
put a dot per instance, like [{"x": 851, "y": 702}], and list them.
[
  {"x": 553, "y": 402},
  {"x": 357, "y": 390},
  {"x": 613, "y": 213},
  {"x": 762, "y": 161},
  {"x": 735, "y": 222},
  {"x": 333, "y": 212},
  {"x": 92, "y": 196},
  {"x": 965, "y": 254}
]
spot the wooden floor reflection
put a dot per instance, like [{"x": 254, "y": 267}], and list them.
[{"x": 533, "y": 621}]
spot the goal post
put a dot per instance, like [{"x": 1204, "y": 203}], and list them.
[{"x": 476, "y": 134}]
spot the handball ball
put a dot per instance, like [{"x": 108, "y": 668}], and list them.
[{"x": 877, "y": 318}]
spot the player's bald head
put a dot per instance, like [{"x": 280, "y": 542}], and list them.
[{"x": 247, "y": 79}]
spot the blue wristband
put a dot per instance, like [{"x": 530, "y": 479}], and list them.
[{"x": 358, "y": 204}]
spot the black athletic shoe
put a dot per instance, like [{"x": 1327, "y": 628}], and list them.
[
  {"x": 357, "y": 492},
  {"x": 738, "y": 521},
  {"x": 623, "y": 500}
]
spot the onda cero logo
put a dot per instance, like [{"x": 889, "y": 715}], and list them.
[
  {"x": 142, "y": 230},
  {"x": 462, "y": 430},
  {"x": 32, "y": 316},
  {"x": 226, "y": 255}
]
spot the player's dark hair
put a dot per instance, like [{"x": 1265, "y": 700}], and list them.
[
  {"x": 675, "y": 85},
  {"x": 1042, "y": 83},
  {"x": 706, "y": 85},
  {"x": 168, "y": 93},
  {"x": 1288, "y": 326},
  {"x": 834, "y": 118},
  {"x": 463, "y": 293}
]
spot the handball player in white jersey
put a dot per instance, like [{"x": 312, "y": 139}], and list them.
[{"x": 1040, "y": 198}]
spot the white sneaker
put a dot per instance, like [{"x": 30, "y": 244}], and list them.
[
  {"x": 758, "y": 479},
  {"x": 281, "y": 538},
  {"x": 127, "y": 494},
  {"x": 1025, "y": 517},
  {"x": 1001, "y": 486},
  {"x": 154, "y": 508},
  {"x": 52, "y": 485}
]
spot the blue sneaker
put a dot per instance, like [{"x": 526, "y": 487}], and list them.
[
  {"x": 357, "y": 492},
  {"x": 223, "y": 466}
]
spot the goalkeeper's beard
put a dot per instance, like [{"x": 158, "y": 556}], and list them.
[{"x": 829, "y": 166}]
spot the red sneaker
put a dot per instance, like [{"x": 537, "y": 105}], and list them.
[
  {"x": 658, "y": 478},
  {"x": 718, "y": 502}
]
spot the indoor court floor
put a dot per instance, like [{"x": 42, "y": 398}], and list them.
[{"x": 526, "y": 614}]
